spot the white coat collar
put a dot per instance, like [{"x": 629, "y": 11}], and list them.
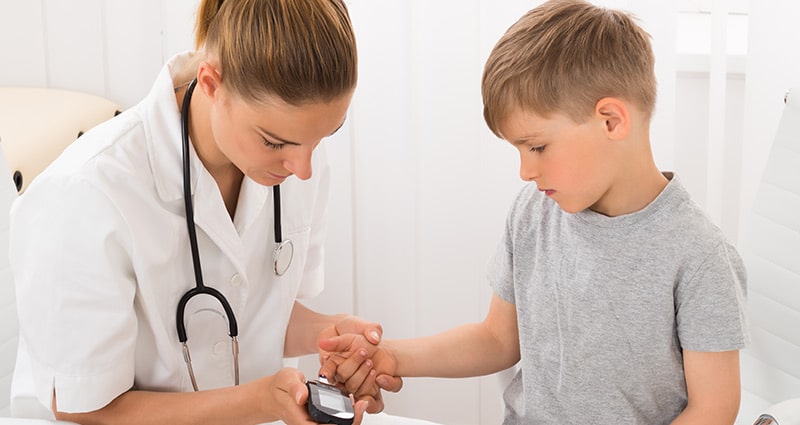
[{"x": 164, "y": 141}]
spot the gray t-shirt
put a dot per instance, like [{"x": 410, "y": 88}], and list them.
[{"x": 605, "y": 306}]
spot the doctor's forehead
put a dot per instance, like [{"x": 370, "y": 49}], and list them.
[{"x": 297, "y": 124}]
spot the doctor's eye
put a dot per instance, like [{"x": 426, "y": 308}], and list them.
[{"x": 274, "y": 146}]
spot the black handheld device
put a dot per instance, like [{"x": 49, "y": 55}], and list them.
[{"x": 328, "y": 404}]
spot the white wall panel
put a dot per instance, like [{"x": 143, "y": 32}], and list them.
[
  {"x": 447, "y": 118},
  {"x": 178, "y": 25},
  {"x": 133, "y": 48},
  {"x": 23, "y": 59},
  {"x": 385, "y": 168},
  {"x": 75, "y": 40}
]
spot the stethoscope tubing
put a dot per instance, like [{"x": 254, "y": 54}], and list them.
[{"x": 200, "y": 287}]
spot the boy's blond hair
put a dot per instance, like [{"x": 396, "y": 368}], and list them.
[{"x": 564, "y": 56}]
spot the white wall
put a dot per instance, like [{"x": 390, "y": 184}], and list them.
[{"x": 421, "y": 188}]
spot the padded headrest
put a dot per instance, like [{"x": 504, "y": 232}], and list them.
[{"x": 36, "y": 124}]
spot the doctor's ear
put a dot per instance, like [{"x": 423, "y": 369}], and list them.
[
  {"x": 209, "y": 80},
  {"x": 615, "y": 116}
]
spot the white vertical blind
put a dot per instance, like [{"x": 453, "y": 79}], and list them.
[
  {"x": 23, "y": 61},
  {"x": 718, "y": 77},
  {"x": 76, "y": 23}
]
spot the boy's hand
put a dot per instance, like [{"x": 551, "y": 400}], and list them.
[
  {"x": 360, "y": 378},
  {"x": 362, "y": 367}
]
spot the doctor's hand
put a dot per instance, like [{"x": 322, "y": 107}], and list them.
[
  {"x": 286, "y": 396},
  {"x": 363, "y": 368}
]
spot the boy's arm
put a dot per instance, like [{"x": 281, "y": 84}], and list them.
[
  {"x": 468, "y": 350},
  {"x": 714, "y": 390}
]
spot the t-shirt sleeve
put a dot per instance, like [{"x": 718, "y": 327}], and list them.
[
  {"x": 710, "y": 304},
  {"x": 69, "y": 252},
  {"x": 501, "y": 266}
]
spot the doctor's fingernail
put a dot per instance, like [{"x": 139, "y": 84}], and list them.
[{"x": 375, "y": 335}]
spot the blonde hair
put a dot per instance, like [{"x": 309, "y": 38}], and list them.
[
  {"x": 564, "y": 56},
  {"x": 300, "y": 50}
]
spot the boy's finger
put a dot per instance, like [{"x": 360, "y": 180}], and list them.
[
  {"x": 354, "y": 382},
  {"x": 347, "y": 368},
  {"x": 390, "y": 383},
  {"x": 328, "y": 368}
]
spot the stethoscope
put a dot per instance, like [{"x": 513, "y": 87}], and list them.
[{"x": 282, "y": 256}]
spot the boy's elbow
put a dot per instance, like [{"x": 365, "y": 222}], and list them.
[{"x": 719, "y": 411}]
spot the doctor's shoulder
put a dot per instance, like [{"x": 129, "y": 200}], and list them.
[{"x": 109, "y": 140}]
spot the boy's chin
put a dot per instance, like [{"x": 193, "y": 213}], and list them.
[{"x": 570, "y": 207}]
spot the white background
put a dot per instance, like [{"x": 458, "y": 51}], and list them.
[{"x": 421, "y": 187}]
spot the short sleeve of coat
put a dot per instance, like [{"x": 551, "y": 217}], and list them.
[{"x": 69, "y": 252}]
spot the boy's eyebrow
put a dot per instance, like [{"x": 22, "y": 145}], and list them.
[
  {"x": 525, "y": 139},
  {"x": 288, "y": 142}
]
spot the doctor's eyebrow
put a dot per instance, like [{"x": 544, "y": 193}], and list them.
[{"x": 288, "y": 142}]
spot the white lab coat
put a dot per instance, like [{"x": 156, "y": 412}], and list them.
[{"x": 100, "y": 256}]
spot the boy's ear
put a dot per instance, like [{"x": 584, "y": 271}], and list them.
[{"x": 615, "y": 115}]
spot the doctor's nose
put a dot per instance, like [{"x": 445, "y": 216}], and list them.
[{"x": 299, "y": 164}]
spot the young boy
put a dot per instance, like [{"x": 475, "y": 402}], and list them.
[{"x": 621, "y": 301}]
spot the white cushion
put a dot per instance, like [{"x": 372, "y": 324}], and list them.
[{"x": 36, "y": 124}]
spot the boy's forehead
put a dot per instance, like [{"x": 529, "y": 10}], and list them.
[{"x": 521, "y": 123}]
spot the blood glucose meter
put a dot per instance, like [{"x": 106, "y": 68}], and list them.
[{"x": 328, "y": 404}]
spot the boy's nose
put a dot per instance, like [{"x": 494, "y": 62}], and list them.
[
  {"x": 528, "y": 170},
  {"x": 299, "y": 163}
]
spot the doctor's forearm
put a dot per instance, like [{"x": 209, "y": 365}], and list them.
[
  {"x": 305, "y": 326},
  {"x": 222, "y": 406}
]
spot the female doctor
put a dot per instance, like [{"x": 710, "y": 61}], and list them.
[{"x": 157, "y": 265}]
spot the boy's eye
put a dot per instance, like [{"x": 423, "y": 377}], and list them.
[
  {"x": 274, "y": 146},
  {"x": 537, "y": 148}
]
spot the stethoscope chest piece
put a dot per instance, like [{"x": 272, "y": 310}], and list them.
[{"x": 282, "y": 256}]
